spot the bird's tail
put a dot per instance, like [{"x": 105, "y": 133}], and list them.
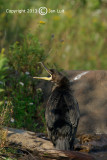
[{"x": 63, "y": 143}]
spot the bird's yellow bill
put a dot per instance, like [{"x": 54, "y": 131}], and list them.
[
  {"x": 45, "y": 68},
  {"x": 45, "y": 78}
]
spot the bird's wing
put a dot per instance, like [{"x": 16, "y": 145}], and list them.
[
  {"x": 73, "y": 108},
  {"x": 51, "y": 108},
  {"x": 54, "y": 99}
]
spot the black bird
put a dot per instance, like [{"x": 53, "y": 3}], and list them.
[{"x": 62, "y": 112}]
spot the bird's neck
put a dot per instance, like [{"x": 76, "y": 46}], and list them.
[{"x": 61, "y": 86}]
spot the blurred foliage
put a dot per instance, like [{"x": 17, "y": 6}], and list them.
[
  {"x": 73, "y": 39},
  {"x": 20, "y": 100},
  {"x": 21, "y": 87},
  {"x": 12, "y": 25},
  {"x": 3, "y": 110},
  {"x": 77, "y": 39},
  {"x": 24, "y": 56},
  {"x": 3, "y": 73}
]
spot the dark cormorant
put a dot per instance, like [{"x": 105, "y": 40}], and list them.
[{"x": 62, "y": 112}]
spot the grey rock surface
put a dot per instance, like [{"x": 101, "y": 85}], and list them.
[
  {"x": 90, "y": 89},
  {"x": 44, "y": 148}
]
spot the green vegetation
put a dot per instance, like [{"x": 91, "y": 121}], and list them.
[
  {"x": 3, "y": 109},
  {"x": 73, "y": 40},
  {"x": 23, "y": 97},
  {"x": 77, "y": 36},
  {"x": 3, "y": 69}
]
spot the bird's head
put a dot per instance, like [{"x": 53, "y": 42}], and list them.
[{"x": 55, "y": 76}]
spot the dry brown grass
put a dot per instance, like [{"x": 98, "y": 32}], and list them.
[{"x": 3, "y": 132}]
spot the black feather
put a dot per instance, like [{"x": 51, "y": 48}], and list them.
[{"x": 62, "y": 113}]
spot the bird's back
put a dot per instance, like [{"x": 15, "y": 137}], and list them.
[{"x": 60, "y": 125}]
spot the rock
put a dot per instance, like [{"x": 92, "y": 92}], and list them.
[
  {"x": 43, "y": 148},
  {"x": 90, "y": 89},
  {"x": 91, "y": 143}
]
